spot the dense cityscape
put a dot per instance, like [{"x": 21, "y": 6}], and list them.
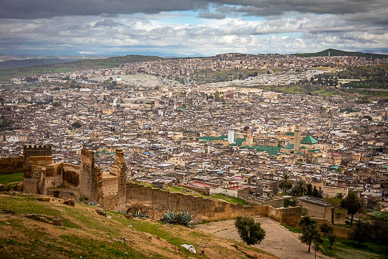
[{"x": 193, "y": 129}]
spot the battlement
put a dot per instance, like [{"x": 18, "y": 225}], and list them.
[{"x": 36, "y": 150}]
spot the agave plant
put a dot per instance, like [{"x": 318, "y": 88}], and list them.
[
  {"x": 138, "y": 214},
  {"x": 170, "y": 217},
  {"x": 182, "y": 218}
]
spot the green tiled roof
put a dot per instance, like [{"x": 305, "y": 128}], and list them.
[
  {"x": 290, "y": 146},
  {"x": 210, "y": 138},
  {"x": 273, "y": 151},
  {"x": 309, "y": 140},
  {"x": 238, "y": 141}
]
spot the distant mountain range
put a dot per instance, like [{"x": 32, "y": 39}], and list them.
[{"x": 336, "y": 52}]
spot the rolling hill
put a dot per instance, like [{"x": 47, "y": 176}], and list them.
[
  {"x": 336, "y": 52},
  {"x": 73, "y": 66}
]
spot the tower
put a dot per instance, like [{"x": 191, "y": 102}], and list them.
[
  {"x": 231, "y": 136},
  {"x": 296, "y": 139},
  {"x": 331, "y": 122},
  {"x": 249, "y": 137}
]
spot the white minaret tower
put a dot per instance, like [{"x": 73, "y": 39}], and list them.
[{"x": 231, "y": 136}]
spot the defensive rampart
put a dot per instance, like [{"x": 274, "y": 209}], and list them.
[
  {"x": 11, "y": 165},
  {"x": 159, "y": 201},
  {"x": 289, "y": 216}
]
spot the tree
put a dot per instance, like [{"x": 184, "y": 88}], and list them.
[
  {"x": 76, "y": 125},
  {"x": 299, "y": 189},
  {"x": 339, "y": 196},
  {"x": 317, "y": 193},
  {"x": 285, "y": 184},
  {"x": 309, "y": 189},
  {"x": 326, "y": 229},
  {"x": 289, "y": 202},
  {"x": 352, "y": 204},
  {"x": 309, "y": 231},
  {"x": 362, "y": 232},
  {"x": 317, "y": 240},
  {"x": 331, "y": 238},
  {"x": 249, "y": 230}
]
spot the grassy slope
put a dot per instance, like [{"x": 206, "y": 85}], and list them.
[
  {"x": 11, "y": 178},
  {"x": 73, "y": 66},
  {"x": 90, "y": 235},
  {"x": 345, "y": 248},
  {"x": 231, "y": 200}
]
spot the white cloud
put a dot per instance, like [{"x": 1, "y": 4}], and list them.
[{"x": 144, "y": 33}]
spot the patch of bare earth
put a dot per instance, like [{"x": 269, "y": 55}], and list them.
[{"x": 278, "y": 240}]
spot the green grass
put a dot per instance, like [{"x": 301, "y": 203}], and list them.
[
  {"x": 93, "y": 248},
  {"x": 298, "y": 89},
  {"x": 159, "y": 230},
  {"x": 231, "y": 200},
  {"x": 344, "y": 248},
  {"x": 11, "y": 178},
  {"x": 292, "y": 229},
  {"x": 29, "y": 205}
]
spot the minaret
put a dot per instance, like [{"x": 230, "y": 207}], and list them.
[
  {"x": 296, "y": 139},
  {"x": 249, "y": 137},
  {"x": 231, "y": 136},
  {"x": 331, "y": 123}
]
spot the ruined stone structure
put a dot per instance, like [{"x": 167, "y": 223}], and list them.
[
  {"x": 63, "y": 180},
  {"x": 111, "y": 190}
]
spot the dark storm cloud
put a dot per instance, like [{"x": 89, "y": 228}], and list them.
[
  {"x": 24, "y": 9},
  {"x": 29, "y": 9},
  {"x": 107, "y": 23},
  {"x": 208, "y": 15}
]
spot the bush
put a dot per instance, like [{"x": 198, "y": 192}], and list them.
[
  {"x": 362, "y": 232},
  {"x": 181, "y": 218},
  {"x": 249, "y": 230},
  {"x": 289, "y": 202},
  {"x": 139, "y": 214}
]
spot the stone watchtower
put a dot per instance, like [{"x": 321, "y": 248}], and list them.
[
  {"x": 37, "y": 155},
  {"x": 90, "y": 176},
  {"x": 36, "y": 150},
  {"x": 121, "y": 178}
]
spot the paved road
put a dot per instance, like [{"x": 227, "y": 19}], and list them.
[{"x": 278, "y": 240}]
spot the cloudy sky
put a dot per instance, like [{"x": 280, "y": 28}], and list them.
[{"x": 191, "y": 27}]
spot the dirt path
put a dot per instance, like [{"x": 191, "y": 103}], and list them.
[{"x": 278, "y": 240}]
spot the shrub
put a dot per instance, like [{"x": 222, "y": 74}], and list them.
[
  {"x": 362, "y": 232},
  {"x": 182, "y": 218},
  {"x": 139, "y": 214}
]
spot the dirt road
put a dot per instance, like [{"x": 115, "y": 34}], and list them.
[{"x": 278, "y": 240}]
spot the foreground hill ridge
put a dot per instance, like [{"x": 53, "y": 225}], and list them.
[{"x": 87, "y": 234}]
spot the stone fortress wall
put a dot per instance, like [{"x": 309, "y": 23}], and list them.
[
  {"x": 159, "y": 201},
  {"x": 112, "y": 191}
]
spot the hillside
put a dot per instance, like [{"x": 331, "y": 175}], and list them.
[
  {"x": 12, "y": 64},
  {"x": 336, "y": 52},
  {"x": 86, "y": 234},
  {"x": 73, "y": 66}
]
